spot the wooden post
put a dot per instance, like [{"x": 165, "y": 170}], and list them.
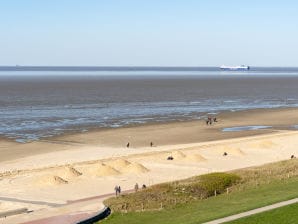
[
  {"x": 215, "y": 193},
  {"x": 160, "y": 205},
  {"x": 227, "y": 190},
  {"x": 142, "y": 206}
]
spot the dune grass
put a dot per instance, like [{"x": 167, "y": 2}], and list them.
[
  {"x": 170, "y": 194},
  {"x": 286, "y": 215},
  {"x": 250, "y": 188}
]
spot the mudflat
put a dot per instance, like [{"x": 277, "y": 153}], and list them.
[{"x": 160, "y": 134}]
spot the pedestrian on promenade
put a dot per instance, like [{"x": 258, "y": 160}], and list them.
[
  {"x": 136, "y": 187},
  {"x": 116, "y": 190}
]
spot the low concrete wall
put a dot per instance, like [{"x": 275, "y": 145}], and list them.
[{"x": 103, "y": 214}]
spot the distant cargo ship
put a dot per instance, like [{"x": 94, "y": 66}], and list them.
[{"x": 235, "y": 68}]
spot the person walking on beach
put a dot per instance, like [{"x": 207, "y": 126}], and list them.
[
  {"x": 151, "y": 144},
  {"x": 136, "y": 187},
  {"x": 127, "y": 145},
  {"x": 210, "y": 120},
  {"x": 119, "y": 190},
  {"x": 116, "y": 190}
]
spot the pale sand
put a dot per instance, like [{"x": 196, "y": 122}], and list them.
[{"x": 78, "y": 169}]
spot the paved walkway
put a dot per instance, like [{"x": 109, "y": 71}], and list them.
[
  {"x": 252, "y": 212},
  {"x": 67, "y": 219},
  {"x": 69, "y": 213}
]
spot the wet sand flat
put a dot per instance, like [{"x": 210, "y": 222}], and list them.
[{"x": 160, "y": 133}]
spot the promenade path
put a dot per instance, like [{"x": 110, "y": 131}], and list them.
[
  {"x": 68, "y": 213},
  {"x": 252, "y": 212}
]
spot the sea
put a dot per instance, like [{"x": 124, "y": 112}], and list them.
[{"x": 42, "y": 102}]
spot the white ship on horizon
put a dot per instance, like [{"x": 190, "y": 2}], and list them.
[{"x": 235, "y": 68}]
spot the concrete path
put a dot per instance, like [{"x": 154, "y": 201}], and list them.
[
  {"x": 252, "y": 212},
  {"x": 69, "y": 213}
]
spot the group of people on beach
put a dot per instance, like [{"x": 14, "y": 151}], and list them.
[
  {"x": 137, "y": 187},
  {"x": 211, "y": 120}
]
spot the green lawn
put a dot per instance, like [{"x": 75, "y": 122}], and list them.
[
  {"x": 284, "y": 215},
  {"x": 215, "y": 207}
]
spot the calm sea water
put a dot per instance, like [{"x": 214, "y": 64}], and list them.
[{"x": 36, "y": 104}]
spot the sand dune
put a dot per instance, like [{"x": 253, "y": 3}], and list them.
[
  {"x": 98, "y": 170},
  {"x": 178, "y": 155},
  {"x": 118, "y": 164},
  {"x": 49, "y": 180},
  {"x": 195, "y": 158},
  {"x": 231, "y": 151},
  {"x": 67, "y": 172},
  {"x": 125, "y": 166},
  {"x": 265, "y": 144},
  {"x": 136, "y": 168}
]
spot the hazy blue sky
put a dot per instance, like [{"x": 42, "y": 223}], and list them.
[{"x": 152, "y": 32}]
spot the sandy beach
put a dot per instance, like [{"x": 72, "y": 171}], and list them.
[
  {"x": 47, "y": 174},
  {"x": 160, "y": 134}
]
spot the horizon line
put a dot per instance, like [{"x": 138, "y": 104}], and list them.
[{"x": 77, "y": 68}]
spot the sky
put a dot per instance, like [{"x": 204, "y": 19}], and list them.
[{"x": 149, "y": 32}]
